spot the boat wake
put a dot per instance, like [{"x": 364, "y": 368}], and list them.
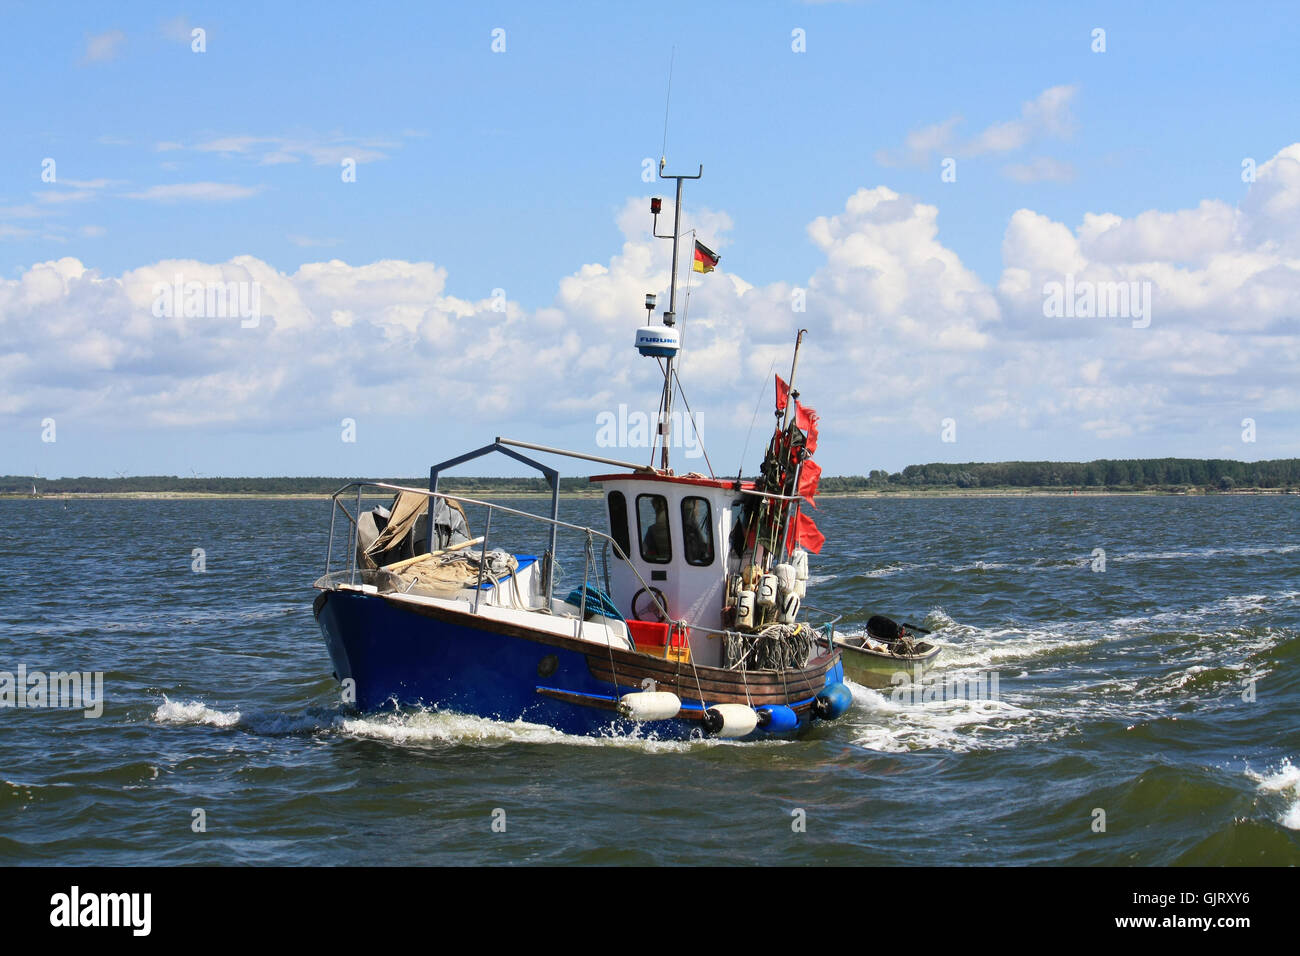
[
  {"x": 889, "y": 722},
  {"x": 1133, "y": 670},
  {"x": 421, "y": 728}
]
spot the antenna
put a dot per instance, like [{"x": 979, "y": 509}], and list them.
[
  {"x": 670, "y": 317},
  {"x": 663, "y": 151}
]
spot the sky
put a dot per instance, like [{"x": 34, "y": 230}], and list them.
[{"x": 437, "y": 218}]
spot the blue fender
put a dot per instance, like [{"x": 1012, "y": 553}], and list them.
[
  {"x": 777, "y": 718},
  {"x": 833, "y": 701}
]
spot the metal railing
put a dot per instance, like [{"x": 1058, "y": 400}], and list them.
[{"x": 589, "y": 533}]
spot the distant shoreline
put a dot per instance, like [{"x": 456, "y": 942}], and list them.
[
  {"x": 481, "y": 495},
  {"x": 1104, "y": 476}
]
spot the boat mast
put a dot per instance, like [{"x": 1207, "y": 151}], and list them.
[
  {"x": 794, "y": 367},
  {"x": 670, "y": 316}
]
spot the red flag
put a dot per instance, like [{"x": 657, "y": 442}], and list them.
[
  {"x": 782, "y": 394},
  {"x": 807, "y": 419},
  {"x": 809, "y": 476},
  {"x": 804, "y": 533}
]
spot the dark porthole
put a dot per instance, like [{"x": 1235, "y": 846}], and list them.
[{"x": 548, "y": 665}]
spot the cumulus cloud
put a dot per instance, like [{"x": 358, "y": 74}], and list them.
[
  {"x": 1224, "y": 285},
  {"x": 921, "y": 144},
  {"x": 903, "y": 333},
  {"x": 1048, "y": 115}
]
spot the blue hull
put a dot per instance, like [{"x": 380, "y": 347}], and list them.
[{"x": 401, "y": 656}]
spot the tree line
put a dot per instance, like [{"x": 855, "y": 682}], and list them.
[{"x": 1137, "y": 474}]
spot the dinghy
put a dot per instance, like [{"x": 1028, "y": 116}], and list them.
[{"x": 876, "y": 658}]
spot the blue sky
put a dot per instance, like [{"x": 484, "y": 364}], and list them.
[{"x": 515, "y": 170}]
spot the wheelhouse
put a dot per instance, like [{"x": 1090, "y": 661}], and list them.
[{"x": 674, "y": 533}]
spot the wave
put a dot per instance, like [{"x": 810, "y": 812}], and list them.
[
  {"x": 1111, "y": 673},
  {"x": 421, "y": 726},
  {"x": 987, "y": 566},
  {"x": 889, "y": 570},
  {"x": 194, "y": 712},
  {"x": 1207, "y": 552},
  {"x": 1283, "y": 782},
  {"x": 890, "y": 723}
]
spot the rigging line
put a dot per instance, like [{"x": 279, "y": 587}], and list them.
[
  {"x": 770, "y": 370},
  {"x": 654, "y": 445},
  {"x": 609, "y": 645},
  {"x": 804, "y": 673},
  {"x": 690, "y": 277},
  {"x": 698, "y": 437},
  {"x": 663, "y": 151},
  {"x": 698, "y": 689}
]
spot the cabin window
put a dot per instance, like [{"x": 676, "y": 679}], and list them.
[
  {"x": 697, "y": 531},
  {"x": 652, "y": 525},
  {"x": 618, "y": 523},
  {"x": 738, "y": 527}
]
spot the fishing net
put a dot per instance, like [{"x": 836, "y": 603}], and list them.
[
  {"x": 445, "y": 574},
  {"x": 775, "y": 647}
]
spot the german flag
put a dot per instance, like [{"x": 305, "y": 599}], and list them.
[{"x": 706, "y": 260}]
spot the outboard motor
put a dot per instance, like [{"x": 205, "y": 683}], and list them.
[{"x": 883, "y": 629}]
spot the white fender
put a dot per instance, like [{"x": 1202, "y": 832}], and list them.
[
  {"x": 737, "y": 719},
  {"x": 799, "y": 558},
  {"x": 766, "y": 591},
  {"x": 745, "y": 609},
  {"x": 649, "y": 705},
  {"x": 785, "y": 577}
]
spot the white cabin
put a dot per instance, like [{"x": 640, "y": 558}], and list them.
[{"x": 676, "y": 532}]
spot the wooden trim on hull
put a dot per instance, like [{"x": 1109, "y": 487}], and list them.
[
  {"x": 764, "y": 687},
  {"x": 719, "y": 685}
]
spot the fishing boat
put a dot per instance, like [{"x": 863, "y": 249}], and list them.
[
  {"x": 886, "y": 654},
  {"x": 689, "y": 618}
]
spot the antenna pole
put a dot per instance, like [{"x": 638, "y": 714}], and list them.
[{"x": 670, "y": 317}]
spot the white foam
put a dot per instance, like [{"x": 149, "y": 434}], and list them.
[
  {"x": 881, "y": 721},
  {"x": 986, "y": 566},
  {"x": 1285, "y": 782},
  {"x": 448, "y": 727},
  {"x": 194, "y": 712},
  {"x": 426, "y": 726},
  {"x": 1034, "y": 710},
  {"x": 889, "y": 570},
  {"x": 1206, "y": 553}
]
